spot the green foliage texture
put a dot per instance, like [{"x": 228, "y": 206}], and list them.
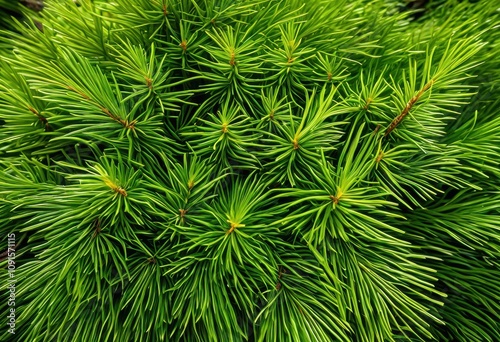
[{"x": 252, "y": 170}]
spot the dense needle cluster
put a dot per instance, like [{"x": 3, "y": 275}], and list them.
[{"x": 252, "y": 170}]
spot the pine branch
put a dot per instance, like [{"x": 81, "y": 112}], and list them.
[{"x": 251, "y": 170}]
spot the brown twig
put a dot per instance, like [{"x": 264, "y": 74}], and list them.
[
  {"x": 182, "y": 214},
  {"x": 380, "y": 156},
  {"x": 121, "y": 191},
  {"x": 233, "y": 227},
  {"x": 40, "y": 117},
  {"x": 334, "y": 199},
  {"x": 232, "y": 61},
  {"x": 183, "y": 45},
  {"x": 125, "y": 123},
  {"x": 397, "y": 120},
  {"x": 368, "y": 101}
]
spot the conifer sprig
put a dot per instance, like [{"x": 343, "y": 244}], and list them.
[{"x": 251, "y": 170}]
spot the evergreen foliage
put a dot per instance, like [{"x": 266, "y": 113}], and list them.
[
  {"x": 250, "y": 170},
  {"x": 11, "y": 10}
]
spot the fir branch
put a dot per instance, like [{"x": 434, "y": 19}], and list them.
[{"x": 252, "y": 170}]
